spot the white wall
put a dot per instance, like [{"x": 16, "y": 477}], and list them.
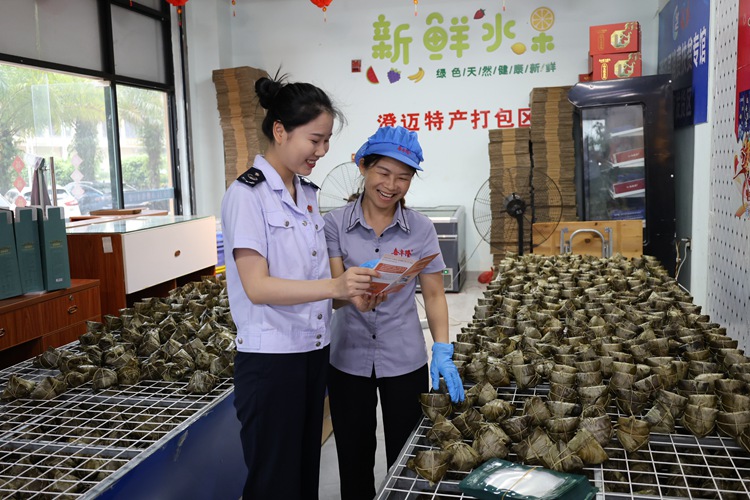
[{"x": 294, "y": 35}]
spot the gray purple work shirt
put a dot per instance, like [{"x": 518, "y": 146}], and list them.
[
  {"x": 390, "y": 338},
  {"x": 258, "y": 213}
]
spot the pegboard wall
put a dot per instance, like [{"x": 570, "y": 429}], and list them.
[{"x": 728, "y": 290}]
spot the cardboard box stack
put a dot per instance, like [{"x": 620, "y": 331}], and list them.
[
  {"x": 614, "y": 52},
  {"x": 553, "y": 154},
  {"x": 510, "y": 172},
  {"x": 240, "y": 117}
]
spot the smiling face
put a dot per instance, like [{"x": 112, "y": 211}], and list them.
[
  {"x": 386, "y": 182},
  {"x": 298, "y": 151}
]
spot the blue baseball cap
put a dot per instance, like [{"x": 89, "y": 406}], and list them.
[{"x": 398, "y": 143}]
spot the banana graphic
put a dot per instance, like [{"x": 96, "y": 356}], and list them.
[{"x": 417, "y": 76}]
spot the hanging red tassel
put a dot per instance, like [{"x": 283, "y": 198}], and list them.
[
  {"x": 322, "y": 4},
  {"x": 415, "y": 6},
  {"x": 178, "y": 4},
  {"x": 234, "y": 9}
]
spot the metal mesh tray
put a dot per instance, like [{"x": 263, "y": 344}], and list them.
[
  {"x": 64, "y": 447},
  {"x": 671, "y": 466}
]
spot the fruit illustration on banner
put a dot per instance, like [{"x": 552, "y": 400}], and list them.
[
  {"x": 542, "y": 19},
  {"x": 416, "y": 76},
  {"x": 518, "y": 48},
  {"x": 394, "y": 75},
  {"x": 479, "y": 14},
  {"x": 371, "y": 76}
]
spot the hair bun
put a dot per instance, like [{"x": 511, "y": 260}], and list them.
[{"x": 266, "y": 89}]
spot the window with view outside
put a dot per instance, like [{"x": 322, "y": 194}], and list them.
[
  {"x": 144, "y": 149},
  {"x": 48, "y": 114}
]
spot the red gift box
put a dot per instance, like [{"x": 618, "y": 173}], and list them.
[
  {"x": 613, "y": 38},
  {"x": 628, "y": 188},
  {"x": 617, "y": 66},
  {"x": 628, "y": 157}
]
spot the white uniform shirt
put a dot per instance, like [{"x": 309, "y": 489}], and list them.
[{"x": 258, "y": 213}]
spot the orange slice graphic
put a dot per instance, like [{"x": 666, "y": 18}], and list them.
[{"x": 542, "y": 19}]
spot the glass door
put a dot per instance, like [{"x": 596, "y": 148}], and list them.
[{"x": 614, "y": 180}]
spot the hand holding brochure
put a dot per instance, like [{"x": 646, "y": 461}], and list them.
[{"x": 396, "y": 272}]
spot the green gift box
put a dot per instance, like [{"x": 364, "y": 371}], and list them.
[
  {"x": 10, "y": 277},
  {"x": 28, "y": 251},
  {"x": 53, "y": 242}
]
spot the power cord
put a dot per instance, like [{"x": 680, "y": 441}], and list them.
[{"x": 679, "y": 261}]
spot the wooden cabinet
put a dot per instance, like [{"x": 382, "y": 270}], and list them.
[
  {"x": 142, "y": 257},
  {"x": 31, "y": 323}
]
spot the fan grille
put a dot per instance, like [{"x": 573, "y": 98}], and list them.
[
  {"x": 338, "y": 186},
  {"x": 500, "y": 229}
]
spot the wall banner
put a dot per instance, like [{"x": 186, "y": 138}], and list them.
[{"x": 684, "y": 53}]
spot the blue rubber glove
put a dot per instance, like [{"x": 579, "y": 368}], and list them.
[{"x": 442, "y": 364}]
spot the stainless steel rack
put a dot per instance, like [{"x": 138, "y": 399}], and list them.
[
  {"x": 81, "y": 443},
  {"x": 671, "y": 466}
]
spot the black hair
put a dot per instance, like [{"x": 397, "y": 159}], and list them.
[{"x": 292, "y": 104}]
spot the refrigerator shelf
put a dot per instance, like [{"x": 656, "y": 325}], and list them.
[
  {"x": 628, "y": 132},
  {"x": 626, "y": 164}
]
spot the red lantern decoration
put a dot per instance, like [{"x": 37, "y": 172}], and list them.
[
  {"x": 178, "y": 4},
  {"x": 322, "y": 4}
]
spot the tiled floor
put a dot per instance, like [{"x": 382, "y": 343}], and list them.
[{"x": 460, "y": 309}]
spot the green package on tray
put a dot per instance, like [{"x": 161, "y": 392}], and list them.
[{"x": 500, "y": 479}]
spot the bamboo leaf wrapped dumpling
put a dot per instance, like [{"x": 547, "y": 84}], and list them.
[
  {"x": 130, "y": 373},
  {"x": 17, "y": 388},
  {"x": 497, "y": 410},
  {"x": 48, "y": 388},
  {"x": 201, "y": 383},
  {"x": 430, "y": 464},
  {"x": 490, "y": 442},
  {"x": 464, "y": 458},
  {"x": 103, "y": 378},
  {"x": 443, "y": 431}
]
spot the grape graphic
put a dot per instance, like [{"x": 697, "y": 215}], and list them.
[{"x": 394, "y": 75}]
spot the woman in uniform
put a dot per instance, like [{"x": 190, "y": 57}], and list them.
[
  {"x": 280, "y": 290},
  {"x": 382, "y": 352}
]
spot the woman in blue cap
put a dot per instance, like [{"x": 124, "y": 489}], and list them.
[
  {"x": 382, "y": 352},
  {"x": 280, "y": 289}
]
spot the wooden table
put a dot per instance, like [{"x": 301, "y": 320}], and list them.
[{"x": 31, "y": 323}]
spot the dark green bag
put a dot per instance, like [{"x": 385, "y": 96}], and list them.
[{"x": 500, "y": 479}]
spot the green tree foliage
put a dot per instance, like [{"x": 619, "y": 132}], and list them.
[{"x": 35, "y": 102}]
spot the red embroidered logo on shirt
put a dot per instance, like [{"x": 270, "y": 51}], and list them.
[{"x": 401, "y": 252}]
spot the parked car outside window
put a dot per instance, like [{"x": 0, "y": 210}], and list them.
[
  {"x": 64, "y": 199},
  {"x": 89, "y": 197}
]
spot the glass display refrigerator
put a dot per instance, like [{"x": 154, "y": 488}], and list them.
[{"x": 623, "y": 131}]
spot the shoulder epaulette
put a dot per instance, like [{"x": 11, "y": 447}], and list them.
[
  {"x": 252, "y": 177},
  {"x": 308, "y": 182}
]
